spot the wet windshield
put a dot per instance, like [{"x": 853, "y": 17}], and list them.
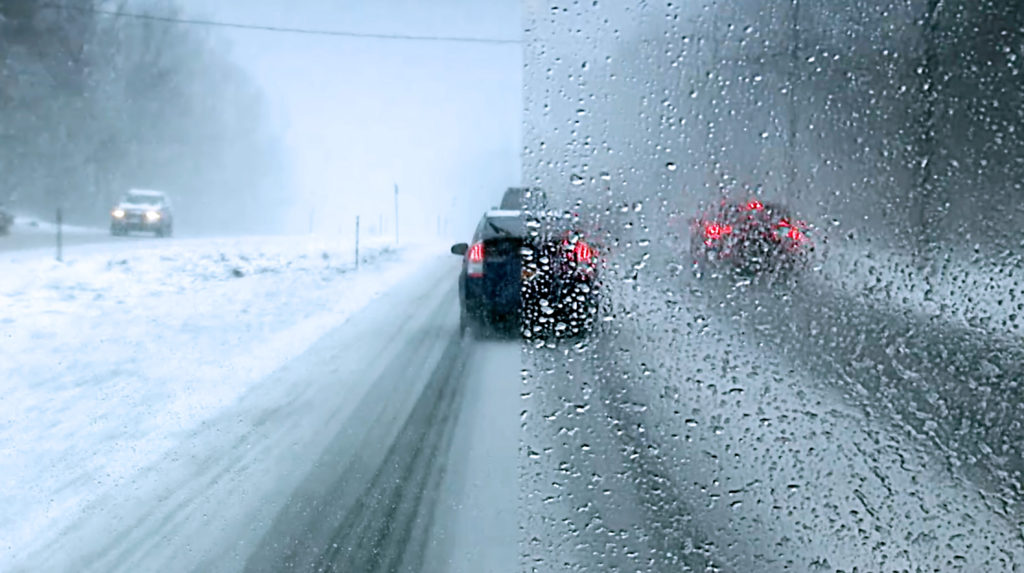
[{"x": 462, "y": 286}]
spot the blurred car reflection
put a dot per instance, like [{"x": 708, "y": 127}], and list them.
[
  {"x": 749, "y": 238},
  {"x": 537, "y": 272}
]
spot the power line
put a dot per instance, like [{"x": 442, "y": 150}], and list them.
[{"x": 284, "y": 29}]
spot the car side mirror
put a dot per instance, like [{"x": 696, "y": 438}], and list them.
[{"x": 460, "y": 249}]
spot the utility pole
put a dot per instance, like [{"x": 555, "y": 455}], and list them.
[{"x": 396, "y": 214}]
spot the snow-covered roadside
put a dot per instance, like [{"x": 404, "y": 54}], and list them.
[
  {"x": 111, "y": 358},
  {"x": 969, "y": 293}
]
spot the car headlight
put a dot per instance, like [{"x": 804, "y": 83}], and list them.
[
  {"x": 152, "y": 216},
  {"x": 118, "y": 213}
]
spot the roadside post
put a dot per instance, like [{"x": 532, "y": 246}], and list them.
[{"x": 60, "y": 235}]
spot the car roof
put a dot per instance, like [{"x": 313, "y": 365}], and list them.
[{"x": 495, "y": 213}]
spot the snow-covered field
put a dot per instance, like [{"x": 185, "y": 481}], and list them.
[{"x": 109, "y": 359}]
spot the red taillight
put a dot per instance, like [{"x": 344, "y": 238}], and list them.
[
  {"x": 715, "y": 231},
  {"x": 582, "y": 252},
  {"x": 475, "y": 260},
  {"x": 754, "y": 205},
  {"x": 577, "y": 251},
  {"x": 792, "y": 231}
]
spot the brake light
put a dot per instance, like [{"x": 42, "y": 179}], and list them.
[
  {"x": 792, "y": 231},
  {"x": 582, "y": 252},
  {"x": 715, "y": 231},
  {"x": 754, "y": 205},
  {"x": 475, "y": 260}
]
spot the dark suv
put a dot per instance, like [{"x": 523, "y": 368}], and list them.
[{"x": 536, "y": 272}]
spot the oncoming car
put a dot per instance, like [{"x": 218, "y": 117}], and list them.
[
  {"x": 749, "y": 238},
  {"x": 142, "y": 210},
  {"x": 538, "y": 273}
]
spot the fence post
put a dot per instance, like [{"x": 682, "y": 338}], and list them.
[{"x": 60, "y": 235}]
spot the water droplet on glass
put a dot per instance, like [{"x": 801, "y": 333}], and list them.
[{"x": 670, "y": 166}]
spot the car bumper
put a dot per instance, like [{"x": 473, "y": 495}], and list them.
[
  {"x": 137, "y": 225},
  {"x": 536, "y": 305}
]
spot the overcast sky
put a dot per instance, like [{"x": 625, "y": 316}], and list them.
[{"x": 443, "y": 120}]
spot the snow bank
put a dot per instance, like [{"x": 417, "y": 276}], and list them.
[
  {"x": 111, "y": 358},
  {"x": 970, "y": 293}
]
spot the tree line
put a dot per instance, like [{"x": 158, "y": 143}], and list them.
[{"x": 92, "y": 104}]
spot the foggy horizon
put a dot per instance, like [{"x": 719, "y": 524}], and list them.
[{"x": 442, "y": 120}]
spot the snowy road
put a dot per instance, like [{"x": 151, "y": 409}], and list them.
[
  {"x": 335, "y": 458},
  {"x": 35, "y": 234},
  {"x": 381, "y": 440},
  {"x": 700, "y": 440}
]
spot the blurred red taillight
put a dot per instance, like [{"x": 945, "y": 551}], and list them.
[
  {"x": 715, "y": 231},
  {"x": 475, "y": 260},
  {"x": 755, "y": 205},
  {"x": 582, "y": 252},
  {"x": 791, "y": 230}
]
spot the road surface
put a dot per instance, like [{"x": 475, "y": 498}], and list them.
[
  {"x": 23, "y": 237},
  {"x": 711, "y": 437}
]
